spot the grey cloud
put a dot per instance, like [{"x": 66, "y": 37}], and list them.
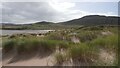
[
  {"x": 30, "y": 12},
  {"x": 23, "y": 12}
]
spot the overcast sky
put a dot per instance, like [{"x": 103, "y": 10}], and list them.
[{"x": 54, "y": 11}]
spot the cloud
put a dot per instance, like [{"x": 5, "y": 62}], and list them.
[
  {"x": 61, "y": 7},
  {"x": 27, "y": 12},
  {"x": 0, "y": 12},
  {"x": 53, "y": 11},
  {"x": 60, "y": 0}
]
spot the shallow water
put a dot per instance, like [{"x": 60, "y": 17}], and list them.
[{"x": 11, "y": 32}]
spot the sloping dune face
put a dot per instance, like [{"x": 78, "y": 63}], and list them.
[
  {"x": 0, "y": 57},
  {"x": 35, "y": 61}
]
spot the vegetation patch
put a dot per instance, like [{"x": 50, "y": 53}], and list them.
[{"x": 87, "y": 51}]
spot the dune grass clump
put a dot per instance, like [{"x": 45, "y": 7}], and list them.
[
  {"x": 60, "y": 58},
  {"x": 20, "y": 44},
  {"x": 59, "y": 35},
  {"x": 83, "y": 53},
  {"x": 29, "y": 45},
  {"x": 52, "y": 44},
  {"x": 64, "y": 44},
  {"x": 108, "y": 42},
  {"x": 9, "y": 45},
  {"x": 87, "y": 36},
  {"x": 110, "y": 45},
  {"x": 36, "y": 45},
  {"x": 55, "y": 36},
  {"x": 80, "y": 53}
]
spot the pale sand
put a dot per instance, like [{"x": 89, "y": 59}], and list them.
[
  {"x": 49, "y": 60},
  {"x": 107, "y": 57},
  {"x": 35, "y": 61},
  {"x": 0, "y": 57}
]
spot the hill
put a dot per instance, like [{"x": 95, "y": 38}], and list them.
[
  {"x": 90, "y": 20},
  {"x": 43, "y": 23},
  {"x": 93, "y": 20}
]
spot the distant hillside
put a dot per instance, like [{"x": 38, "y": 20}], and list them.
[
  {"x": 84, "y": 21},
  {"x": 44, "y": 22},
  {"x": 93, "y": 20}
]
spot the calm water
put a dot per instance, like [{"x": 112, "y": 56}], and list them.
[{"x": 11, "y": 32}]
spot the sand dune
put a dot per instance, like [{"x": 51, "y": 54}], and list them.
[
  {"x": 0, "y": 57},
  {"x": 35, "y": 61},
  {"x": 32, "y": 62}
]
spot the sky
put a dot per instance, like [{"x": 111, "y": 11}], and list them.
[{"x": 25, "y": 12}]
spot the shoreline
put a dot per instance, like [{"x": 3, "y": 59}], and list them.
[{"x": 13, "y": 32}]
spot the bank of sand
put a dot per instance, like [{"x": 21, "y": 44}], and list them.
[
  {"x": 0, "y": 57},
  {"x": 48, "y": 60},
  {"x": 31, "y": 62},
  {"x": 34, "y": 61}
]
